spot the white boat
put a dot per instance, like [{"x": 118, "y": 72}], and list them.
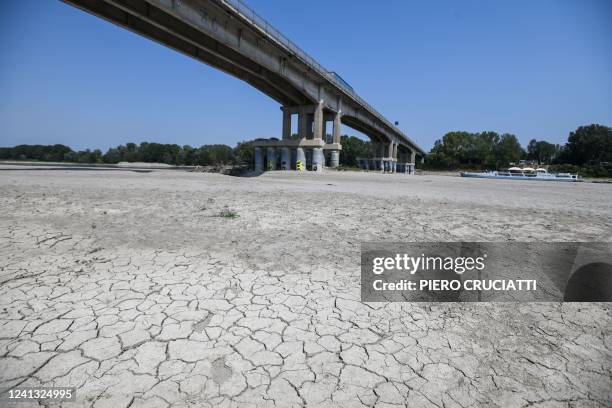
[{"x": 516, "y": 173}]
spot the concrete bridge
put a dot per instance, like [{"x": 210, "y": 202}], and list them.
[{"x": 229, "y": 36}]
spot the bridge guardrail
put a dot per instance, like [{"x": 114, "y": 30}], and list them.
[{"x": 266, "y": 27}]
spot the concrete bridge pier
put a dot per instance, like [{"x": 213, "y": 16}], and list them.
[
  {"x": 334, "y": 158},
  {"x": 318, "y": 160},
  {"x": 259, "y": 163},
  {"x": 381, "y": 155},
  {"x": 393, "y": 157},
  {"x": 285, "y": 158},
  {"x": 271, "y": 158},
  {"x": 336, "y": 129},
  {"x": 286, "y": 123},
  {"x": 300, "y": 159}
]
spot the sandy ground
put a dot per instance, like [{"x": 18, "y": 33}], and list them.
[{"x": 132, "y": 288}]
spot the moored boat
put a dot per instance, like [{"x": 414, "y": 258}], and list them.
[{"x": 516, "y": 173}]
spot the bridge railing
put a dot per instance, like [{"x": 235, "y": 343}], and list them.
[{"x": 263, "y": 25}]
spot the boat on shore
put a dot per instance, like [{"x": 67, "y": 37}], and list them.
[{"x": 516, "y": 173}]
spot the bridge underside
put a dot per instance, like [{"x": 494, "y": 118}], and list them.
[{"x": 219, "y": 34}]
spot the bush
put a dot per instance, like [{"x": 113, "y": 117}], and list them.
[{"x": 590, "y": 170}]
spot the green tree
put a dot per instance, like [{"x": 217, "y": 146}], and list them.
[
  {"x": 542, "y": 151},
  {"x": 590, "y": 144},
  {"x": 508, "y": 150},
  {"x": 352, "y": 148},
  {"x": 474, "y": 150},
  {"x": 243, "y": 153}
]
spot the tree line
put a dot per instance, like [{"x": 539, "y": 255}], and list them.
[
  {"x": 207, "y": 155},
  {"x": 588, "y": 151}
]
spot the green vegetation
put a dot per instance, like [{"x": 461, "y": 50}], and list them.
[
  {"x": 227, "y": 213},
  {"x": 474, "y": 150},
  {"x": 207, "y": 155},
  {"x": 352, "y": 148},
  {"x": 588, "y": 151}
]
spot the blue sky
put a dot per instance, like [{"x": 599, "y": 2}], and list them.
[{"x": 537, "y": 69}]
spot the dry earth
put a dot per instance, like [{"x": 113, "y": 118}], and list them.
[{"x": 132, "y": 288}]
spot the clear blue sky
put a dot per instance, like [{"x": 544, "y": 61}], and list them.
[{"x": 537, "y": 69}]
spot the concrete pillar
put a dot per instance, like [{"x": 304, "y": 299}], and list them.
[
  {"x": 286, "y": 124},
  {"x": 336, "y": 128},
  {"x": 300, "y": 159},
  {"x": 259, "y": 165},
  {"x": 271, "y": 157},
  {"x": 334, "y": 159},
  {"x": 302, "y": 124},
  {"x": 395, "y": 145},
  {"x": 285, "y": 159},
  {"x": 317, "y": 159},
  {"x": 412, "y": 156},
  {"x": 318, "y": 121},
  {"x": 309, "y": 127}
]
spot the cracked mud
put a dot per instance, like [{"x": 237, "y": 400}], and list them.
[{"x": 131, "y": 288}]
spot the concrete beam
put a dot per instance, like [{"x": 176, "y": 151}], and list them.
[{"x": 292, "y": 143}]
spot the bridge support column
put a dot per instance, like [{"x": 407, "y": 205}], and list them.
[
  {"x": 300, "y": 159},
  {"x": 259, "y": 165},
  {"x": 318, "y": 121},
  {"x": 336, "y": 127},
  {"x": 381, "y": 154},
  {"x": 317, "y": 159},
  {"x": 302, "y": 124},
  {"x": 374, "y": 152},
  {"x": 285, "y": 158},
  {"x": 271, "y": 158},
  {"x": 412, "y": 161},
  {"x": 334, "y": 158},
  {"x": 286, "y": 124}
]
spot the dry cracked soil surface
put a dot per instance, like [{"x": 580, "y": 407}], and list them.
[{"x": 176, "y": 289}]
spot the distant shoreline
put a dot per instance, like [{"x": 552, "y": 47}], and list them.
[{"x": 121, "y": 165}]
